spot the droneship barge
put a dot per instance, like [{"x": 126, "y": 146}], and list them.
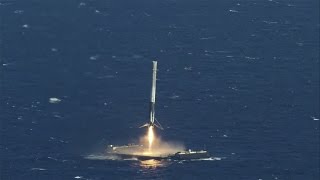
[
  {"x": 134, "y": 151},
  {"x": 137, "y": 151}
]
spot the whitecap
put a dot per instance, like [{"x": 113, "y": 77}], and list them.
[
  {"x": 234, "y": 88},
  {"x": 54, "y": 100},
  {"x": 206, "y": 38},
  {"x": 146, "y": 14},
  {"x": 221, "y": 51},
  {"x": 174, "y": 97},
  {"x": 95, "y": 57},
  {"x": 251, "y": 58},
  {"x": 5, "y": 4},
  {"x": 233, "y": 11},
  {"x": 25, "y": 26},
  {"x": 208, "y": 159},
  {"x": 270, "y": 22},
  {"x": 38, "y": 169},
  {"x": 314, "y": 118},
  {"x": 82, "y": 4},
  {"x": 57, "y": 115},
  {"x": 52, "y": 158},
  {"x": 18, "y": 11},
  {"x": 299, "y": 43}
]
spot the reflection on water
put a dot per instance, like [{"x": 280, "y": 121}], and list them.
[{"x": 152, "y": 164}]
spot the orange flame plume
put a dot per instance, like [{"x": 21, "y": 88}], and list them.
[{"x": 150, "y": 137}]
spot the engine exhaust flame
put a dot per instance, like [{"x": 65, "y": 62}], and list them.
[{"x": 150, "y": 137}]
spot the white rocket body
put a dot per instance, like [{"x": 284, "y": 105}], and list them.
[
  {"x": 152, "y": 118},
  {"x": 153, "y": 92}
]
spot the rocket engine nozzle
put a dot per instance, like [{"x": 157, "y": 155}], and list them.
[{"x": 158, "y": 125}]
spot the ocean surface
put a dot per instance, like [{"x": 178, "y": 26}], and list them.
[{"x": 239, "y": 78}]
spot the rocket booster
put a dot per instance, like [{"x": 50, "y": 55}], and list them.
[
  {"x": 152, "y": 118},
  {"x": 153, "y": 92}
]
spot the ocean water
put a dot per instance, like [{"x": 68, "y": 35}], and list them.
[{"x": 239, "y": 78}]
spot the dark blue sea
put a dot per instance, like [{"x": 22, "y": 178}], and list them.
[{"x": 239, "y": 78}]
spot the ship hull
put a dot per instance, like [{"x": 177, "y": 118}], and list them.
[
  {"x": 139, "y": 157},
  {"x": 190, "y": 156},
  {"x": 172, "y": 156},
  {"x": 177, "y": 156}
]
